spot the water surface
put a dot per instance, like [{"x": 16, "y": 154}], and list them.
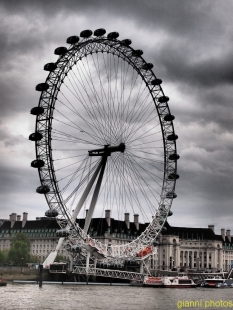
[{"x": 88, "y": 297}]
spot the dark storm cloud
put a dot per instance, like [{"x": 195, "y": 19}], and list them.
[
  {"x": 178, "y": 17},
  {"x": 14, "y": 180},
  {"x": 190, "y": 45},
  {"x": 203, "y": 73}
]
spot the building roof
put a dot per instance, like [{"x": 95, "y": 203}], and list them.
[
  {"x": 192, "y": 233},
  {"x": 99, "y": 227}
]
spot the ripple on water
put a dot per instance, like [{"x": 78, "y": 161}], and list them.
[{"x": 88, "y": 297}]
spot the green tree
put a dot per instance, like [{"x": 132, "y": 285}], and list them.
[
  {"x": 60, "y": 258},
  {"x": 3, "y": 257},
  {"x": 34, "y": 259},
  {"x": 19, "y": 252},
  {"x": 21, "y": 237}
]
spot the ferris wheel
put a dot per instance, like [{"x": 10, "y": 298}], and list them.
[{"x": 104, "y": 140}]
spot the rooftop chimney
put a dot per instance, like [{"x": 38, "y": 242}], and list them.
[
  {"x": 13, "y": 219},
  {"x": 25, "y": 218},
  {"x": 18, "y": 218},
  {"x": 211, "y": 227},
  {"x": 127, "y": 220},
  {"x": 136, "y": 222},
  {"x": 108, "y": 217},
  {"x": 223, "y": 233},
  {"x": 229, "y": 234}
]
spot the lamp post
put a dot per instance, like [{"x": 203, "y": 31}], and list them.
[{"x": 22, "y": 264}]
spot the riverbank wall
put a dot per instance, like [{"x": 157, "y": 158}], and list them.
[{"x": 27, "y": 274}]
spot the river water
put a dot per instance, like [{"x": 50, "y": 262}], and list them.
[{"x": 101, "y": 297}]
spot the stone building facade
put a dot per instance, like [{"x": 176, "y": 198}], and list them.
[
  {"x": 197, "y": 249},
  {"x": 179, "y": 248}
]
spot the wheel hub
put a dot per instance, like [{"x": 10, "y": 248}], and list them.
[{"x": 107, "y": 150}]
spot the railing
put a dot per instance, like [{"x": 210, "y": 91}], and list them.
[
  {"x": 57, "y": 271},
  {"x": 109, "y": 273}
]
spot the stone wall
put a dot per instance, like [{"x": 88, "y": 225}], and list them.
[{"x": 26, "y": 274}]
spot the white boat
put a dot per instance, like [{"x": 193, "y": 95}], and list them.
[{"x": 180, "y": 281}]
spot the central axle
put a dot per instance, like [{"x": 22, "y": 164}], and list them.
[{"x": 107, "y": 150}]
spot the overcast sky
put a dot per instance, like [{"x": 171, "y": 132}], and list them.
[{"x": 190, "y": 44}]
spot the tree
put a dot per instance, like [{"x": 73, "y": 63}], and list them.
[
  {"x": 60, "y": 258},
  {"x": 19, "y": 252},
  {"x": 22, "y": 238},
  {"x": 3, "y": 257},
  {"x": 34, "y": 259}
]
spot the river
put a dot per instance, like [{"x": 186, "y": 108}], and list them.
[{"x": 101, "y": 297}]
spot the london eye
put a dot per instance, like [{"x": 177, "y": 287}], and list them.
[{"x": 104, "y": 140}]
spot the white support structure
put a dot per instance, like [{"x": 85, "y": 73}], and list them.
[
  {"x": 109, "y": 273},
  {"x": 52, "y": 255},
  {"x": 87, "y": 261}
]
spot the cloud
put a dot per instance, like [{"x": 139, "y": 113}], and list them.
[{"x": 190, "y": 45}]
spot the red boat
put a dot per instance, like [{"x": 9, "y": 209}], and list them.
[
  {"x": 217, "y": 282},
  {"x": 3, "y": 282},
  {"x": 153, "y": 282}
]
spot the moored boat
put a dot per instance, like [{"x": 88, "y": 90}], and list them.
[
  {"x": 180, "y": 281},
  {"x": 213, "y": 282},
  {"x": 153, "y": 282},
  {"x": 2, "y": 282},
  {"x": 217, "y": 282}
]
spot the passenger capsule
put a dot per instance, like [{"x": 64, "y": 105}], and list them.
[
  {"x": 156, "y": 82},
  {"x": 170, "y": 213},
  {"x": 99, "y": 32},
  {"x": 51, "y": 213},
  {"x": 172, "y": 137},
  {"x": 37, "y": 110},
  {"x": 62, "y": 233},
  {"x": 36, "y": 136},
  {"x": 173, "y": 176},
  {"x": 51, "y": 66},
  {"x": 85, "y": 33},
  {"x": 113, "y": 35},
  {"x": 42, "y": 87},
  {"x": 174, "y": 157},
  {"x": 169, "y": 118},
  {"x": 37, "y": 163},
  {"x": 163, "y": 99},
  {"x": 60, "y": 51},
  {"x": 160, "y": 222},
  {"x": 43, "y": 189},
  {"x": 137, "y": 53},
  {"x": 126, "y": 42},
  {"x": 72, "y": 40},
  {"x": 171, "y": 195},
  {"x": 147, "y": 66}
]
